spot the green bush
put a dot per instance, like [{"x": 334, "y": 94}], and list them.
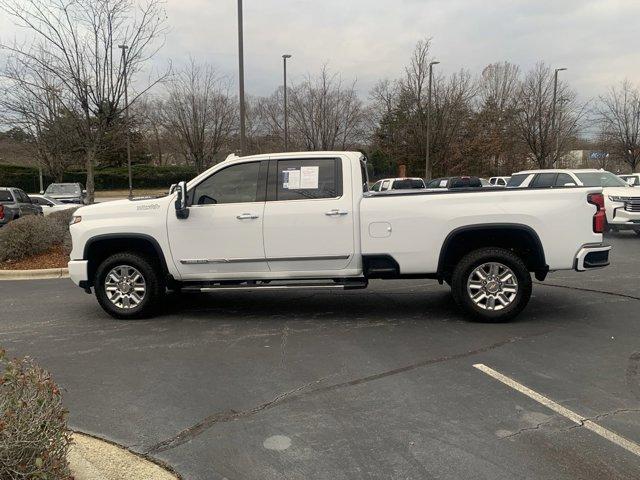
[
  {"x": 34, "y": 439},
  {"x": 33, "y": 234},
  {"x": 144, "y": 176}
]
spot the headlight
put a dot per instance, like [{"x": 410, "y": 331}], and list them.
[
  {"x": 614, "y": 198},
  {"x": 75, "y": 219}
]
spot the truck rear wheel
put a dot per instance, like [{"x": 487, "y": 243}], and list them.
[
  {"x": 491, "y": 284},
  {"x": 128, "y": 285}
]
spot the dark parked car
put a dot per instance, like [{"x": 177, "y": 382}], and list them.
[
  {"x": 455, "y": 182},
  {"x": 14, "y": 203},
  {"x": 67, "y": 192}
]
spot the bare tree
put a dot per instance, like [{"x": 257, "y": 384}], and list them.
[
  {"x": 76, "y": 43},
  {"x": 28, "y": 102},
  {"x": 619, "y": 117},
  {"x": 534, "y": 116},
  {"x": 200, "y": 113},
  {"x": 498, "y": 90},
  {"x": 324, "y": 114}
]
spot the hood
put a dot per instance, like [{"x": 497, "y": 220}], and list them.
[{"x": 622, "y": 191}]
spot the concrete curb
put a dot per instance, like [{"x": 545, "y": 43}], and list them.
[
  {"x": 43, "y": 274},
  {"x": 91, "y": 458}
]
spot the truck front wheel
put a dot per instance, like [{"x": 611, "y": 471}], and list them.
[
  {"x": 128, "y": 285},
  {"x": 491, "y": 284}
]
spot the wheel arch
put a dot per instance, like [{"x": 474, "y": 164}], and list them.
[
  {"x": 100, "y": 247},
  {"x": 521, "y": 239}
]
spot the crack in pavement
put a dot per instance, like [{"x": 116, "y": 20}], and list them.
[
  {"x": 194, "y": 431},
  {"x": 593, "y": 290},
  {"x": 283, "y": 345},
  {"x": 221, "y": 417},
  {"x": 602, "y": 415},
  {"x": 526, "y": 429},
  {"x": 632, "y": 374}
]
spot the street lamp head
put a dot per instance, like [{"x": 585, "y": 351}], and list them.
[
  {"x": 434, "y": 63},
  {"x": 561, "y": 69},
  {"x": 286, "y": 55},
  {"x": 123, "y": 46}
]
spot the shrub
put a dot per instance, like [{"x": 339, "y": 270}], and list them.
[
  {"x": 33, "y": 234},
  {"x": 34, "y": 439}
]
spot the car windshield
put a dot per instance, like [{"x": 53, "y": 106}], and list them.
[
  {"x": 600, "y": 179},
  {"x": 5, "y": 196},
  {"x": 63, "y": 188},
  {"x": 407, "y": 183}
]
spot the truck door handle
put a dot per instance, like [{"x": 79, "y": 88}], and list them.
[
  {"x": 335, "y": 213},
  {"x": 247, "y": 216}
]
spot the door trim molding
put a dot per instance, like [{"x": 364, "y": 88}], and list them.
[{"x": 205, "y": 261}]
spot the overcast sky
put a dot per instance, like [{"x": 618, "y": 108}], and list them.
[{"x": 597, "y": 40}]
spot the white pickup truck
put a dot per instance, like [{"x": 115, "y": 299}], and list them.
[{"x": 307, "y": 220}]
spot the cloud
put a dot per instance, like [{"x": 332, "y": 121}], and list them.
[{"x": 372, "y": 39}]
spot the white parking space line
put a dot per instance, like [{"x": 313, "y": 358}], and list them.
[{"x": 565, "y": 412}]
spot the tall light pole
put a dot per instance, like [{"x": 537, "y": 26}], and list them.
[
  {"x": 553, "y": 105},
  {"x": 427, "y": 165},
  {"x": 241, "y": 78},
  {"x": 126, "y": 114},
  {"x": 286, "y": 118}
]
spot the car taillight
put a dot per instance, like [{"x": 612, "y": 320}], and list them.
[
  {"x": 599, "y": 218},
  {"x": 1, "y": 212}
]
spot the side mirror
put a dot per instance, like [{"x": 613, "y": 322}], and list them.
[{"x": 182, "y": 210}]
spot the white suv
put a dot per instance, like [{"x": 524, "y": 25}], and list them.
[
  {"x": 622, "y": 201},
  {"x": 632, "y": 179}
]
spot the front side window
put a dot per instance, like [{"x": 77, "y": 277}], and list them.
[
  {"x": 5, "y": 196},
  {"x": 376, "y": 186},
  {"x": 312, "y": 178},
  {"x": 234, "y": 184}
]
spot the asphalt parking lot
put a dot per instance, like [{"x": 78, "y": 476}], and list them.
[{"x": 370, "y": 384}]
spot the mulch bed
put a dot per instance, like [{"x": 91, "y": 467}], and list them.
[{"x": 54, "y": 258}]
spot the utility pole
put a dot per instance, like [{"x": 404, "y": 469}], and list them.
[
  {"x": 286, "y": 119},
  {"x": 427, "y": 166},
  {"x": 241, "y": 79},
  {"x": 126, "y": 115},
  {"x": 553, "y": 105}
]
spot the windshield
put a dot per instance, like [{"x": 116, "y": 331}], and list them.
[
  {"x": 5, "y": 196},
  {"x": 63, "y": 188},
  {"x": 600, "y": 179},
  {"x": 407, "y": 183}
]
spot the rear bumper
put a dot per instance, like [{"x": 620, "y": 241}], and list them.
[
  {"x": 592, "y": 256},
  {"x": 78, "y": 272}
]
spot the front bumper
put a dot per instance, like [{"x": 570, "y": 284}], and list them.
[
  {"x": 592, "y": 256},
  {"x": 623, "y": 219},
  {"x": 79, "y": 272}
]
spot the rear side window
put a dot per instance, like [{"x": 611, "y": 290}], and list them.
[
  {"x": 564, "y": 180},
  {"x": 517, "y": 180},
  {"x": 5, "y": 196},
  {"x": 544, "y": 180},
  {"x": 309, "y": 179}
]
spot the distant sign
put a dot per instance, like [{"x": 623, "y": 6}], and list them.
[{"x": 598, "y": 155}]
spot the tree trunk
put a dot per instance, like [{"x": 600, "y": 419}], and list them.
[{"x": 89, "y": 164}]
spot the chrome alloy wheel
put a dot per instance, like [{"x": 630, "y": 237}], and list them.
[
  {"x": 125, "y": 287},
  {"x": 492, "y": 286}
]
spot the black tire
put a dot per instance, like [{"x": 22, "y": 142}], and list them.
[
  {"x": 153, "y": 283},
  {"x": 466, "y": 267}
]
